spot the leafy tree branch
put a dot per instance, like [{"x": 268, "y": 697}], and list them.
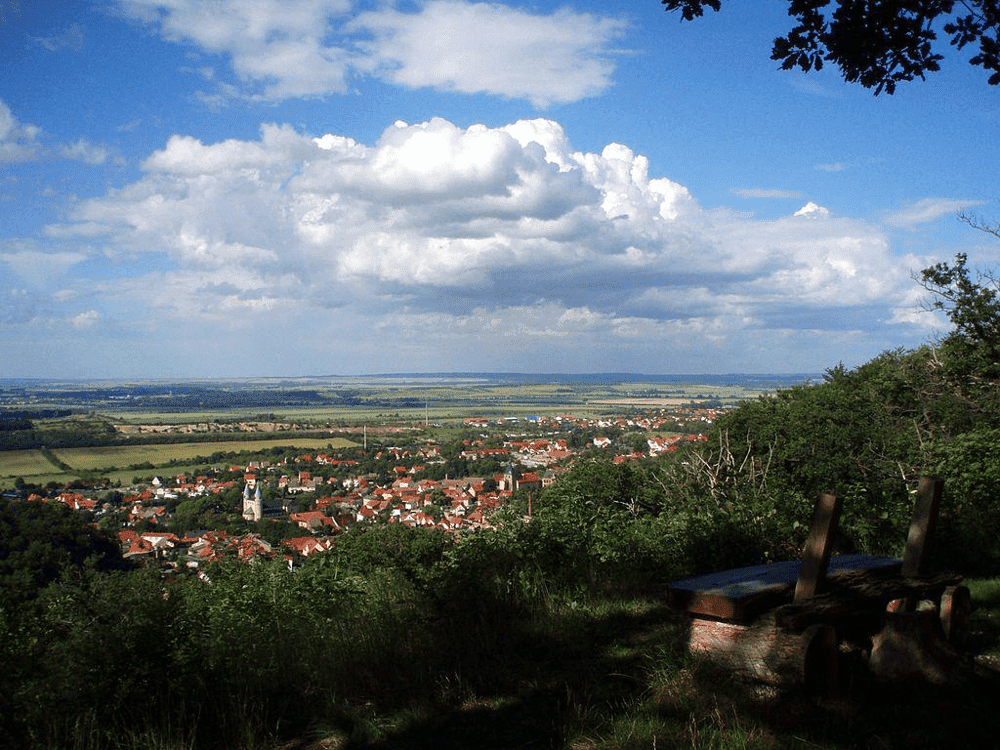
[{"x": 878, "y": 44}]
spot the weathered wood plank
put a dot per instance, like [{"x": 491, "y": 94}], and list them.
[
  {"x": 819, "y": 545},
  {"x": 742, "y": 593},
  {"x": 922, "y": 524},
  {"x": 863, "y": 596}
]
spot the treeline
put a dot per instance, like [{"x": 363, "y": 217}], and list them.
[
  {"x": 186, "y": 396},
  {"x": 96, "y": 433},
  {"x": 20, "y": 419},
  {"x": 7, "y": 415}
]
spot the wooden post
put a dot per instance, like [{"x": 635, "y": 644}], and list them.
[
  {"x": 816, "y": 557},
  {"x": 956, "y": 606},
  {"x": 921, "y": 525}
]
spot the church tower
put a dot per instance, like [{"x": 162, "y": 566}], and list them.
[{"x": 253, "y": 504}]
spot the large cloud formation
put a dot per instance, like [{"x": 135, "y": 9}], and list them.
[{"x": 440, "y": 247}]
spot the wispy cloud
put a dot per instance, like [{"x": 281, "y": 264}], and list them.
[
  {"x": 90, "y": 153},
  {"x": 72, "y": 39},
  {"x": 18, "y": 141},
  {"x": 38, "y": 267},
  {"x": 765, "y": 193},
  {"x": 832, "y": 167},
  {"x": 926, "y": 210}
]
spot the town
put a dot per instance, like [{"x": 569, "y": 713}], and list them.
[{"x": 290, "y": 503}]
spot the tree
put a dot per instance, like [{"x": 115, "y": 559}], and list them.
[
  {"x": 638, "y": 442},
  {"x": 971, "y": 351},
  {"x": 878, "y": 44},
  {"x": 39, "y": 541}
]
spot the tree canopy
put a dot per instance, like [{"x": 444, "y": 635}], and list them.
[
  {"x": 39, "y": 541},
  {"x": 879, "y": 44}
]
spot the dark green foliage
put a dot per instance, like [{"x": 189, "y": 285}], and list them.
[
  {"x": 970, "y": 353},
  {"x": 633, "y": 527},
  {"x": 878, "y": 44},
  {"x": 968, "y": 534},
  {"x": 40, "y": 541},
  {"x": 824, "y": 437},
  {"x": 365, "y": 550},
  {"x": 579, "y": 531},
  {"x": 10, "y": 424},
  {"x": 866, "y": 435},
  {"x": 256, "y": 653}
]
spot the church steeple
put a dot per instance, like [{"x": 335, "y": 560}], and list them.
[{"x": 253, "y": 503}]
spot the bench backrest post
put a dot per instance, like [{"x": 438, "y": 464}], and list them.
[
  {"x": 819, "y": 545},
  {"x": 922, "y": 525}
]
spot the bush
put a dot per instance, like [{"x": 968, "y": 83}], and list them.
[{"x": 968, "y": 533}]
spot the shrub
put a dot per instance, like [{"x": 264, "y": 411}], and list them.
[{"x": 968, "y": 533}]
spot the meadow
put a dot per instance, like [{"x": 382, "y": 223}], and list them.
[
  {"x": 115, "y": 456},
  {"x": 28, "y": 463},
  {"x": 120, "y": 463}
]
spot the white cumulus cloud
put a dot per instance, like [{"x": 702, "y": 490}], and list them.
[
  {"x": 282, "y": 49},
  {"x": 85, "y": 319},
  {"x": 813, "y": 211},
  {"x": 498, "y": 238},
  {"x": 493, "y": 49}
]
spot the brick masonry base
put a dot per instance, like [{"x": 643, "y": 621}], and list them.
[{"x": 764, "y": 652}]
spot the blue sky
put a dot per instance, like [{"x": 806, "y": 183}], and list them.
[{"x": 222, "y": 188}]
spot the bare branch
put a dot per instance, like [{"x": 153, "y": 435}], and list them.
[{"x": 977, "y": 222}]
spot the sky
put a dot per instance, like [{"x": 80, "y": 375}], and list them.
[{"x": 281, "y": 188}]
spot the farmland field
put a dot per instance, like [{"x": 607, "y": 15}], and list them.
[
  {"x": 29, "y": 463},
  {"x": 120, "y": 456},
  {"x": 81, "y": 413}
]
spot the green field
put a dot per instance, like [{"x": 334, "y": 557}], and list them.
[
  {"x": 439, "y": 402},
  {"x": 29, "y": 463},
  {"x": 120, "y": 456},
  {"x": 113, "y": 461},
  {"x": 442, "y": 401}
]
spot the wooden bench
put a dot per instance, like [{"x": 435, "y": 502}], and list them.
[{"x": 784, "y": 622}]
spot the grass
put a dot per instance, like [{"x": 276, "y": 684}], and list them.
[
  {"x": 113, "y": 461},
  {"x": 616, "y": 675},
  {"x": 27, "y": 463}
]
